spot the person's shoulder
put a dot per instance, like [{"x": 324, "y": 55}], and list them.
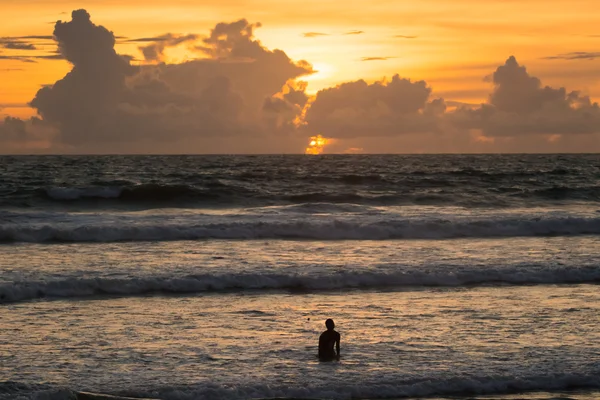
[{"x": 337, "y": 334}]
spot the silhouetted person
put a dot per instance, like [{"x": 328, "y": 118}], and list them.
[{"x": 326, "y": 342}]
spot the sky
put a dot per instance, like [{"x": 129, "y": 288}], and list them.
[{"x": 315, "y": 76}]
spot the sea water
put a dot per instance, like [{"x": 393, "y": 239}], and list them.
[{"x": 210, "y": 277}]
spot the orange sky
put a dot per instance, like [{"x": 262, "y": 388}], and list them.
[
  {"x": 453, "y": 45},
  {"x": 457, "y": 43}
]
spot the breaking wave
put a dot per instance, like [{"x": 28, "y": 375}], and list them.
[
  {"x": 303, "y": 229},
  {"x": 381, "y": 388},
  {"x": 82, "y": 287}
]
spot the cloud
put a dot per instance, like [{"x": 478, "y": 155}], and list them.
[
  {"x": 282, "y": 112},
  {"x": 31, "y": 37},
  {"x": 360, "y": 109},
  {"x": 155, "y": 50},
  {"x": 17, "y": 45},
  {"x": 32, "y": 59},
  {"x": 520, "y": 105},
  {"x": 160, "y": 38},
  {"x": 104, "y": 104},
  {"x": 405, "y": 37},
  {"x": 17, "y": 58},
  {"x": 314, "y": 34},
  {"x": 241, "y": 97},
  {"x": 24, "y": 136},
  {"x": 575, "y": 55},
  {"x": 354, "y": 33},
  {"x": 376, "y": 58}
]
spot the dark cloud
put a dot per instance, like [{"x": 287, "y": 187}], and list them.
[
  {"x": 13, "y": 129},
  {"x": 359, "y": 109},
  {"x": 575, "y": 55},
  {"x": 104, "y": 103},
  {"x": 25, "y": 43},
  {"x": 23, "y": 136},
  {"x": 241, "y": 97},
  {"x": 155, "y": 50},
  {"x": 519, "y": 104},
  {"x": 354, "y": 33},
  {"x": 314, "y": 34},
  {"x": 90, "y": 92},
  {"x": 376, "y": 58}
]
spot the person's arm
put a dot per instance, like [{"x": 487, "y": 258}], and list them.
[{"x": 337, "y": 345}]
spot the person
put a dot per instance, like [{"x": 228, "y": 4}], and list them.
[{"x": 326, "y": 342}]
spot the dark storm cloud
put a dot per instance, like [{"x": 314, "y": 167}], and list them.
[
  {"x": 519, "y": 104},
  {"x": 356, "y": 109},
  {"x": 87, "y": 95},
  {"x": 104, "y": 101},
  {"x": 575, "y": 55}
]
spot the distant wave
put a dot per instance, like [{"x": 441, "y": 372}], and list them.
[
  {"x": 82, "y": 287},
  {"x": 217, "y": 193},
  {"x": 381, "y": 388},
  {"x": 306, "y": 229},
  {"x": 138, "y": 193},
  {"x": 424, "y": 190}
]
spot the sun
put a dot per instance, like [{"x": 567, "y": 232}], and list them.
[{"x": 317, "y": 145}]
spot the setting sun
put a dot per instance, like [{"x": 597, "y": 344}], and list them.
[{"x": 317, "y": 145}]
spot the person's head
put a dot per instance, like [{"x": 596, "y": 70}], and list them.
[{"x": 330, "y": 324}]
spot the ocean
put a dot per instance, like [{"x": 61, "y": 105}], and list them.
[{"x": 211, "y": 277}]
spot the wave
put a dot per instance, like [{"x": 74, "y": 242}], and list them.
[
  {"x": 218, "y": 193},
  {"x": 207, "y": 283},
  {"x": 305, "y": 229},
  {"x": 138, "y": 193},
  {"x": 565, "y": 193},
  {"x": 381, "y": 388}
]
